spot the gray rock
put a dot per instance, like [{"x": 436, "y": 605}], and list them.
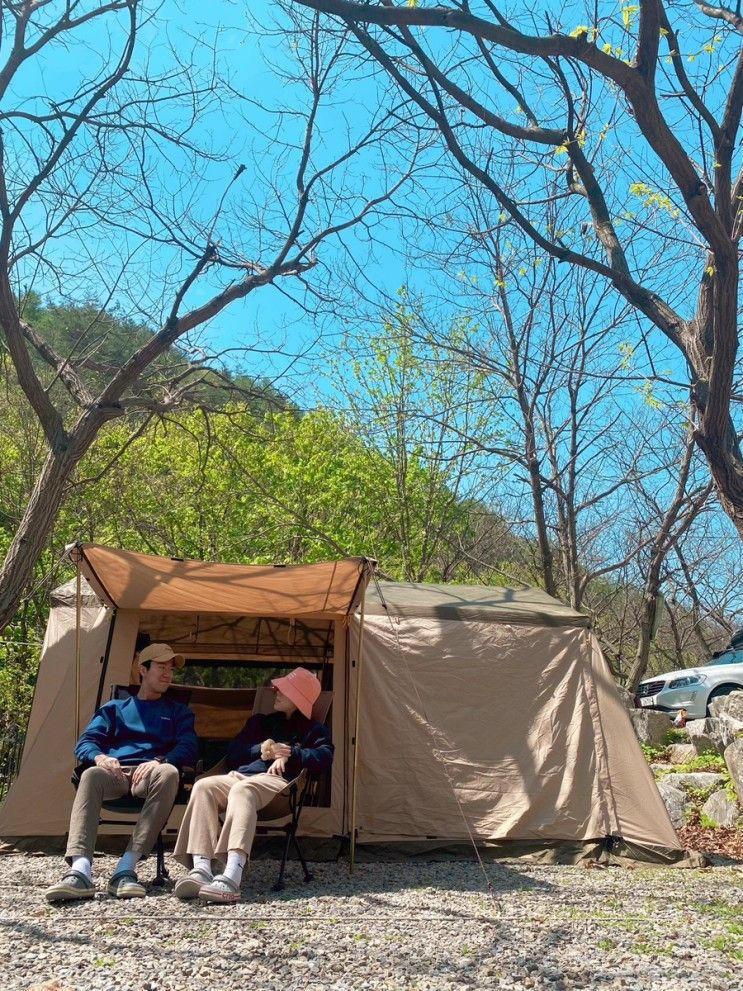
[
  {"x": 650, "y": 726},
  {"x": 729, "y": 707},
  {"x": 675, "y": 799},
  {"x": 711, "y": 736},
  {"x": 681, "y": 753},
  {"x": 694, "y": 779},
  {"x": 720, "y": 809},
  {"x": 734, "y": 761}
]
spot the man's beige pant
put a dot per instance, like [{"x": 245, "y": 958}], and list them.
[
  {"x": 239, "y": 798},
  {"x": 97, "y": 784}
]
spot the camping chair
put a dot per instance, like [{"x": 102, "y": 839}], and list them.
[
  {"x": 283, "y": 812},
  {"x": 129, "y": 804}
]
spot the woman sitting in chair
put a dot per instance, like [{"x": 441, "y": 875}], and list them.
[{"x": 266, "y": 755}]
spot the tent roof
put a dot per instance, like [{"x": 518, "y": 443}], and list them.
[
  {"x": 481, "y": 603},
  {"x": 128, "y": 580},
  {"x": 66, "y": 595}
]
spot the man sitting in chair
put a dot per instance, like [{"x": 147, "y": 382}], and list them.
[
  {"x": 268, "y": 753},
  {"x": 136, "y": 745}
]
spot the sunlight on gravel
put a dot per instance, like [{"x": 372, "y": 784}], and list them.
[{"x": 400, "y": 927}]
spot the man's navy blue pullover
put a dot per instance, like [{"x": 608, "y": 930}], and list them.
[{"x": 136, "y": 730}]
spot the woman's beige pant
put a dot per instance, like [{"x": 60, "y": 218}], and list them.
[{"x": 239, "y": 798}]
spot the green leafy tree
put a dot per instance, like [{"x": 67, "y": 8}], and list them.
[{"x": 430, "y": 418}]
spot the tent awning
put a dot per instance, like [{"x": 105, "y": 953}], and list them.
[{"x": 127, "y": 580}]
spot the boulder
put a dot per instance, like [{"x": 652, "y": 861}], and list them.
[
  {"x": 697, "y": 780},
  {"x": 721, "y": 809},
  {"x": 682, "y": 753},
  {"x": 675, "y": 799},
  {"x": 711, "y": 736},
  {"x": 729, "y": 707},
  {"x": 650, "y": 726},
  {"x": 734, "y": 761}
]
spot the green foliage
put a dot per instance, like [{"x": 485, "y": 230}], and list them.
[
  {"x": 18, "y": 666},
  {"x": 706, "y": 822},
  {"x": 705, "y": 762},
  {"x": 654, "y": 754},
  {"x": 675, "y": 736},
  {"x": 99, "y": 342},
  {"x": 427, "y": 416},
  {"x": 730, "y": 947}
]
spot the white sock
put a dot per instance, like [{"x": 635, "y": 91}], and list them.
[
  {"x": 129, "y": 861},
  {"x": 235, "y": 864},
  {"x": 83, "y": 866},
  {"x": 203, "y": 864}
]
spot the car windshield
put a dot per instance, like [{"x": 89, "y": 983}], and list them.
[{"x": 729, "y": 657}]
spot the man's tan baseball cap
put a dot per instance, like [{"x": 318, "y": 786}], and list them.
[{"x": 161, "y": 652}]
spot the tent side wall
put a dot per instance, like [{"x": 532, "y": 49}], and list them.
[
  {"x": 491, "y": 731},
  {"x": 40, "y": 799},
  {"x": 642, "y": 817}
]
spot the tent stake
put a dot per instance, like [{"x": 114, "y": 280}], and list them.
[{"x": 356, "y": 735}]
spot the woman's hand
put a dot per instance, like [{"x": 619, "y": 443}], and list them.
[
  {"x": 270, "y": 750},
  {"x": 278, "y": 766}
]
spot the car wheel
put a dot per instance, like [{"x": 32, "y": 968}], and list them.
[{"x": 720, "y": 692}]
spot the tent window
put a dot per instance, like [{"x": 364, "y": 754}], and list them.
[{"x": 231, "y": 674}]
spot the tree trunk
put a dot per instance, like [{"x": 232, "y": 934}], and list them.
[
  {"x": 41, "y": 513},
  {"x": 648, "y": 616}
]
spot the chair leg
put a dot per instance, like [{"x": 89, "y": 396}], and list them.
[
  {"x": 308, "y": 875},
  {"x": 162, "y": 873},
  {"x": 279, "y": 886}
]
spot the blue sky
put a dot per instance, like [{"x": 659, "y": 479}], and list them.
[{"x": 240, "y": 130}]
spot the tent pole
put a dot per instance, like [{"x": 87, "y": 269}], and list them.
[
  {"x": 356, "y": 734},
  {"x": 78, "y": 623}
]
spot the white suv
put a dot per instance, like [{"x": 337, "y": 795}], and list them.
[{"x": 694, "y": 688}]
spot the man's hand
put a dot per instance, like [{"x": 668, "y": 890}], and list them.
[
  {"x": 142, "y": 771},
  {"x": 278, "y": 765},
  {"x": 112, "y": 765}
]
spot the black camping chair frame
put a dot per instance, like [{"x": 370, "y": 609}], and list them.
[{"x": 297, "y": 794}]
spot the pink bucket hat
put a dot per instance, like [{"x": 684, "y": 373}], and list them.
[{"x": 302, "y": 687}]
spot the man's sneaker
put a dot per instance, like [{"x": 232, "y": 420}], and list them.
[
  {"x": 190, "y": 885},
  {"x": 73, "y": 887},
  {"x": 125, "y": 884}
]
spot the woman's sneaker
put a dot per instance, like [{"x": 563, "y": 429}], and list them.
[{"x": 190, "y": 885}]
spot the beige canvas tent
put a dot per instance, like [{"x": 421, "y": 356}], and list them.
[{"x": 460, "y": 713}]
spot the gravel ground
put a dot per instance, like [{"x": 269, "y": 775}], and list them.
[{"x": 395, "y": 926}]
